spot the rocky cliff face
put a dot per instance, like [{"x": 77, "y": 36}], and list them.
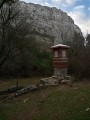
[{"x": 48, "y": 25}]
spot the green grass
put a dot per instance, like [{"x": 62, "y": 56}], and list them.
[
  {"x": 54, "y": 103},
  {"x": 69, "y": 105}
]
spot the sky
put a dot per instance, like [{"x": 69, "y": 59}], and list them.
[{"x": 79, "y": 10}]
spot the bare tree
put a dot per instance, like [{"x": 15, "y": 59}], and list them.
[{"x": 7, "y": 14}]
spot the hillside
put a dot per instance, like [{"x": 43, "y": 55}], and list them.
[{"x": 48, "y": 25}]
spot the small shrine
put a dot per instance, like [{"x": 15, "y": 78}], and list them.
[{"x": 60, "y": 60}]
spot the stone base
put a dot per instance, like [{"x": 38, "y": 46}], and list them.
[{"x": 60, "y": 72}]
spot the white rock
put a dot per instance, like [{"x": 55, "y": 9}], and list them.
[{"x": 48, "y": 24}]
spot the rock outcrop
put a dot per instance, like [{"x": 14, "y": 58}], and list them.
[{"x": 48, "y": 25}]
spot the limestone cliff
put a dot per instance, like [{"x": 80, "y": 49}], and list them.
[{"x": 48, "y": 25}]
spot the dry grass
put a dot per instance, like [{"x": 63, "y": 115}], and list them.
[{"x": 9, "y": 83}]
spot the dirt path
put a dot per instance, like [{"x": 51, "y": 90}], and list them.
[{"x": 41, "y": 96}]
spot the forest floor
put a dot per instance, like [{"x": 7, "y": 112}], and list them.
[{"x": 52, "y": 103}]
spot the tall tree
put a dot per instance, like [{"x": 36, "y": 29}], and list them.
[
  {"x": 76, "y": 55},
  {"x": 7, "y": 14},
  {"x": 88, "y": 39}
]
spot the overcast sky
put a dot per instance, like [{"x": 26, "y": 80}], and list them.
[{"x": 79, "y": 10}]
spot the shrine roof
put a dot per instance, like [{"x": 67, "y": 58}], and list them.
[{"x": 60, "y": 46}]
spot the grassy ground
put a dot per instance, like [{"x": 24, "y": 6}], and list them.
[
  {"x": 53, "y": 103},
  {"x": 9, "y": 83}
]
